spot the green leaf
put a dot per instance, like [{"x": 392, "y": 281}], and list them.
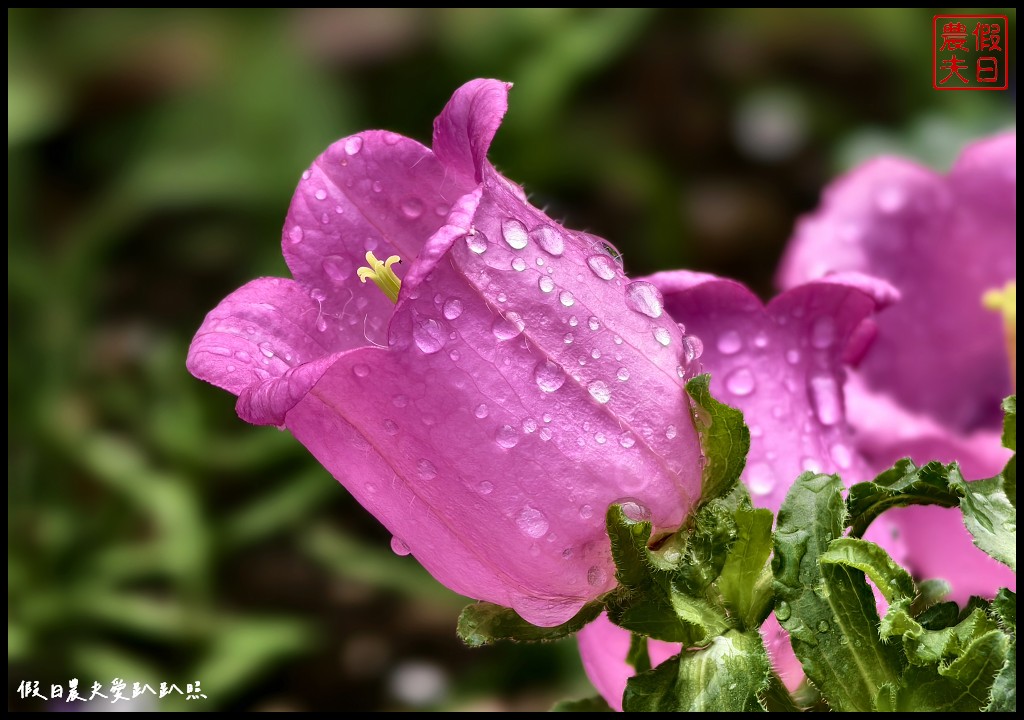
[
  {"x": 484, "y": 623},
  {"x": 1004, "y": 607},
  {"x": 727, "y": 676},
  {"x": 903, "y": 484},
  {"x": 661, "y": 593},
  {"x": 638, "y": 656},
  {"x": 746, "y": 579},
  {"x": 828, "y": 608},
  {"x": 724, "y": 439},
  {"x": 892, "y": 581},
  {"x": 961, "y": 686},
  {"x": 929, "y": 592},
  {"x": 925, "y": 645},
  {"x": 590, "y": 704},
  {"x": 1004, "y": 689},
  {"x": 1010, "y": 423},
  {"x": 990, "y": 517}
]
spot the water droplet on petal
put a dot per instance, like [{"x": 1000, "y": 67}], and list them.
[
  {"x": 398, "y": 547},
  {"x": 599, "y": 390},
  {"x": 546, "y": 284},
  {"x": 361, "y": 370},
  {"x": 823, "y": 332},
  {"x": 412, "y": 208},
  {"x": 671, "y": 432},
  {"x": 891, "y": 199},
  {"x": 428, "y": 335},
  {"x": 400, "y": 401},
  {"x": 565, "y": 297},
  {"x": 596, "y": 576},
  {"x": 518, "y": 264},
  {"x": 841, "y": 456},
  {"x": 568, "y": 339},
  {"x": 426, "y": 469},
  {"x": 269, "y": 353},
  {"x": 338, "y": 268},
  {"x": 295, "y": 235},
  {"x": 549, "y": 239},
  {"x": 377, "y": 186},
  {"x": 627, "y": 440},
  {"x": 508, "y": 326},
  {"x": 600, "y": 438},
  {"x": 320, "y": 194},
  {"x": 634, "y": 509},
  {"x": 792, "y": 356},
  {"x": 485, "y": 488},
  {"x": 593, "y": 324},
  {"x": 549, "y": 375},
  {"x": 595, "y": 354},
  {"x": 477, "y": 242},
  {"x": 760, "y": 478},
  {"x": 532, "y": 522},
  {"x": 761, "y": 341},
  {"x": 514, "y": 233},
  {"x": 390, "y": 427},
  {"x": 622, "y": 374},
  {"x": 529, "y": 425},
  {"x": 825, "y": 399},
  {"x": 481, "y": 411},
  {"x": 602, "y": 266},
  {"x": 353, "y": 145},
  {"x": 730, "y": 342},
  {"x": 545, "y": 433},
  {"x": 573, "y": 321},
  {"x": 507, "y": 437},
  {"x": 693, "y": 348},
  {"x": 740, "y": 382},
  {"x": 586, "y": 512},
  {"x": 662, "y": 336},
  {"x": 452, "y": 308},
  {"x": 644, "y": 298}
]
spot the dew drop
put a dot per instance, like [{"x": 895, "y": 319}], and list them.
[
  {"x": 295, "y": 235},
  {"x": 481, "y": 411},
  {"x": 586, "y": 512},
  {"x": 595, "y": 354},
  {"x": 730, "y": 342},
  {"x": 644, "y": 298},
  {"x": 824, "y": 394},
  {"x": 622, "y": 374},
  {"x": 598, "y": 390},
  {"x": 507, "y": 326},
  {"x": 693, "y": 348},
  {"x": 573, "y": 321},
  {"x": 627, "y": 440},
  {"x": 514, "y": 233},
  {"x": 565, "y": 297},
  {"x": 529, "y": 425},
  {"x": 390, "y": 426},
  {"x": 428, "y": 335},
  {"x": 593, "y": 324},
  {"x": 532, "y": 522},
  {"x": 353, "y": 145},
  {"x": 400, "y": 401},
  {"x": 600, "y": 438},
  {"x": 634, "y": 509},
  {"x": 361, "y": 370},
  {"x": 760, "y": 478},
  {"x": 546, "y": 284},
  {"x": 740, "y": 382},
  {"x": 377, "y": 186},
  {"x": 596, "y": 576},
  {"x": 662, "y": 336},
  {"x": 823, "y": 626},
  {"x": 338, "y": 268},
  {"x": 412, "y": 208},
  {"x": 549, "y": 376},
  {"x": 823, "y": 332},
  {"x": 485, "y": 488},
  {"x": 320, "y": 194},
  {"x": 398, "y": 547},
  {"x": 671, "y": 432},
  {"x": 792, "y": 356},
  {"x": 477, "y": 242},
  {"x": 269, "y": 353},
  {"x": 602, "y": 266},
  {"x": 760, "y": 341},
  {"x": 549, "y": 239},
  {"x": 783, "y": 611},
  {"x": 545, "y": 433},
  {"x": 518, "y": 264},
  {"x": 452, "y": 308},
  {"x": 507, "y": 437},
  {"x": 568, "y": 339},
  {"x": 426, "y": 469}
]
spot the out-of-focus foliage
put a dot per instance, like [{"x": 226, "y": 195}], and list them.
[{"x": 152, "y": 536}]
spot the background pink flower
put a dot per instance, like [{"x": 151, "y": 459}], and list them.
[{"x": 930, "y": 387}]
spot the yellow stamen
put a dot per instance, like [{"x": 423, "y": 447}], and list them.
[
  {"x": 382, "y": 275},
  {"x": 1004, "y": 301}
]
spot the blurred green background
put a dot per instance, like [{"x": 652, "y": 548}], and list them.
[{"x": 152, "y": 536}]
